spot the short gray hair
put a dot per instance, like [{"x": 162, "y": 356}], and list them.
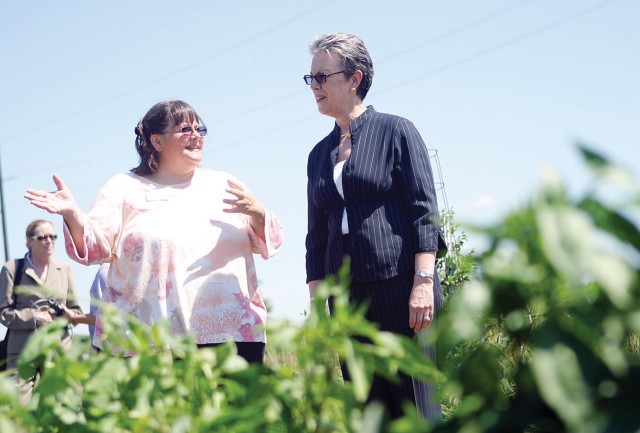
[{"x": 353, "y": 55}]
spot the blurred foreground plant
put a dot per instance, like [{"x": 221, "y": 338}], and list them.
[
  {"x": 168, "y": 385},
  {"x": 547, "y": 339}
]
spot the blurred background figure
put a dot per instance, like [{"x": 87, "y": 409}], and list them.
[
  {"x": 47, "y": 291},
  {"x": 97, "y": 289}
]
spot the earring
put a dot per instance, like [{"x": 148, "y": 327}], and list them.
[{"x": 353, "y": 90}]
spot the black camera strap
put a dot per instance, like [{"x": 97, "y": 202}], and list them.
[
  {"x": 4, "y": 343},
  {"x": 18, "y": 277}
]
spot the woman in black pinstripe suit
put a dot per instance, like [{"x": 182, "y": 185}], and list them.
[{"x": 371, "y": 196}]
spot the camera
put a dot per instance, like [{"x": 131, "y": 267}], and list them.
[{"x": 55, "y": 306}]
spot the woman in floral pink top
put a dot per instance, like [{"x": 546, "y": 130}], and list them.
[{"x": 180, "y": 238}]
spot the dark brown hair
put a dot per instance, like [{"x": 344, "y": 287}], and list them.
[{"x": 159, "y": 120}]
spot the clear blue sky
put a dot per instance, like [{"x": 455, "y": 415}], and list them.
[{"x": 499, "y": 88}]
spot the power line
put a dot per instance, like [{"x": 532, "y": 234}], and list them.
[
  {"x": 170, "y": 75},
  {"x": 458, "y": 30},
  {"x": 422, "y": 76},
  {"x": 499, "y": 46},
  {"x": 452, "y": 65},
  {"x": 173, "y": 21},
  {"x": 431, "y": 41},
  {"x": 117, "y": 97}
]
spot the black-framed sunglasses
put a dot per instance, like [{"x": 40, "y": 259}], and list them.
[
  {"x": 202, "y": 130},
  {"x": 44, "y": 237},
  {"x": 320, "y": 78}
]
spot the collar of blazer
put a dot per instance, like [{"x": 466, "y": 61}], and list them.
[{"x": 28, "y": 270}]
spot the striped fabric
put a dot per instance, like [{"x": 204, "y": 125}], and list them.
[
  {"x": 388, "y": 302},
  {"x": 390, "y": 200}
]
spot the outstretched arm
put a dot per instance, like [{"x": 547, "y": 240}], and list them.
[
  {"x": 76, "y": 318},
  {"x": 60, "y": 202}
]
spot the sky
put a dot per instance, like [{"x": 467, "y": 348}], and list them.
[{"x": 500, "y": 90}]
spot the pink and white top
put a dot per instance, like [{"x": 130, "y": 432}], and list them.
[{"x": 176, "y": 255}]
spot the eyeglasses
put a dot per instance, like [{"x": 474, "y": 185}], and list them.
[
  {"x": 202, "y": 130},
  {"x": 320, "y": 78},
  {"x": 45, "y": 237}
]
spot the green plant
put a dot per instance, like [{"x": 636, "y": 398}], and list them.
[
  {"x": 458, "y": 266},
  {"x": 166, "y": 384},
  {"x": 546, "y": 339}
]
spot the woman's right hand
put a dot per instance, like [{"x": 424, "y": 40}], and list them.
[
  {"x": 43, "y": 318},
  {"x": 59, "y": 202}
]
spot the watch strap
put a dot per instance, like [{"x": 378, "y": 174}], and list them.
[{"x": 424, "y": 274}]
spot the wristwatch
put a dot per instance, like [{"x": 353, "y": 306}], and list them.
[{"x": 424, "y": 274}]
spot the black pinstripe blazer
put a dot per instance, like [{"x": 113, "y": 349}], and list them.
[{"x": 390, "y": 200}]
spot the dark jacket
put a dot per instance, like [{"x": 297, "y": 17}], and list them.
[{"x": 390, "y": 200}]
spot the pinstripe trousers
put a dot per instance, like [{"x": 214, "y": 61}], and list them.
[{"x": 389, "y": 307}]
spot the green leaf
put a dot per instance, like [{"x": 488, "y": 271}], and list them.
[
  {"x": 611, "y": 221},
  {"x": 561, "y": 385},
  {"x": 569, "y": 239},
  {"x": 593, "y": 158},
  {"x": 356, "y": 366},
  {"x": 604, "y": 169}
]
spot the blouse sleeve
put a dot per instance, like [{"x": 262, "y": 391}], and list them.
[
  {"x": 101, "y": 227},
  {"x": 272, "y": 233}
]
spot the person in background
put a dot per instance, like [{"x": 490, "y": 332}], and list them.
[
  {"x": 371, "y": 197},
  {"x": 47, "y": 290},
  {"x": 180, "y": 238},
  {"x": 97, "y": 289}
]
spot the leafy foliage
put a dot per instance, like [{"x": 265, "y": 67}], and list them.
[
  {"x": 553, "y": 343},
  {"x": 458, "y": 266},
  {"x": 545, "y": 338},
  {"x": 166, "y": 384}
]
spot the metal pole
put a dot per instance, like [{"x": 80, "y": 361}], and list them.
[{"x": 2, "y": 214}]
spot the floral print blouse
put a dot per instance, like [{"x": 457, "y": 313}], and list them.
[{"x": 176, "y": 255}]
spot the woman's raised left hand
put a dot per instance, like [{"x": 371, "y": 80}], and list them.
[{"x": 244, "y": 202}]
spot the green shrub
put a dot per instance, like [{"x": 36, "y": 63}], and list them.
[
  {"x": 171, "y": 386},
  {"x": 544, "y": 339},
  {"x": 550, "y": 337}
]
